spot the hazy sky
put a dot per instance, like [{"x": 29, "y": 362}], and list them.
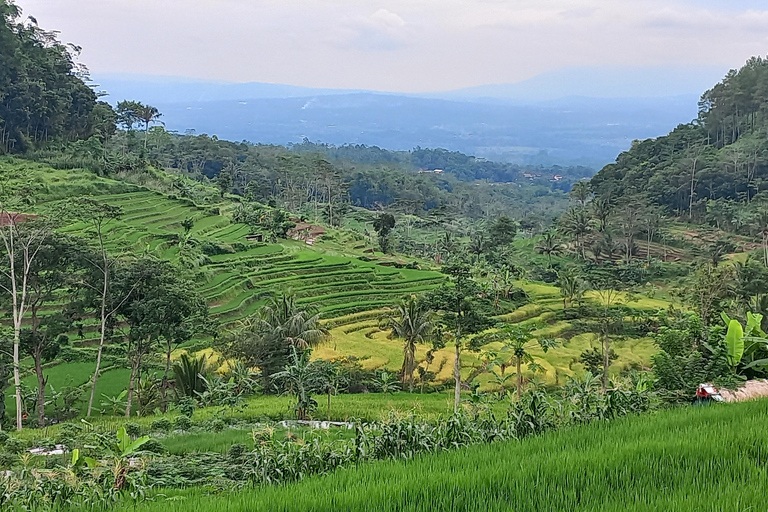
[{"x": 400, "y": 45}]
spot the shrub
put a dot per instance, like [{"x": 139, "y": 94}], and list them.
[
  {"x": 7, "y": 460},
  {"x": 161, "y": 425},
  {"x": 237, "y": 451},
  {"x": 182, "y": 423},
  {"x": 3, "y": 437},
  {"x": 216, "y": 425},
  {"x": 153, "y": 446},
  {"x": 187, "y": 406},
  {"x": 16, "y": 446},
  {"x": 133, "y": 429}
]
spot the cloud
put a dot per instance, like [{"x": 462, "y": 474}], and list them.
[
  {"x": 383, "y": 30},
  {"x": 401, "y": 45}
]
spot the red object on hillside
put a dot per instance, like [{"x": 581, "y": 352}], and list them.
[{"x": 12, "y": 218}]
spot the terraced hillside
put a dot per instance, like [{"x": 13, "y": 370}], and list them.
[
  {"x": 237, "y": 282},
  {"x": 361, "y": 335}
]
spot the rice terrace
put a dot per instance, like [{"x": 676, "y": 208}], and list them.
[{"x": 498, "y": 319}]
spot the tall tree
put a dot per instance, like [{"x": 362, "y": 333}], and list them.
[
  {"x": 580, "y": 192},
  {"x": 147, "y": 114},
  {"x": 23, "y": 237},
  {"x": 161, "y": 309},
  {"x": 549, "y": 245},
  {"x": 98, "y": 216},
  {"x": 49, "y": 274},
  {"x": 460, "y": 312},
  {"x": 412, "y": 323},
  {"x": 383, "y": 225},
  {"x": 577, "y": 224},
  {"x": 518, "y": 341}
]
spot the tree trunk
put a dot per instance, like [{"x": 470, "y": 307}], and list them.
[
  {"x": 164, "y": 387},
  {"x": 135, "y": 365},
  {"x": 457, "y": 377},
  {"x": 41, "y": 382},
  {"x": 606, "y": 363},
  {"x": 16, "y": 377},
  {"x": 102, "y": 338},
  {"x": 519, "y": 378}
]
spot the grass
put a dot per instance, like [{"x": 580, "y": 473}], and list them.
[
  {"x": 690, "y": 459},
  {"x": 181, "y": 443}
]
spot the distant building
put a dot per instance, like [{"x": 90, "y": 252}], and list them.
[
  {"x": 13, "y": 218},
  {"x": 433, "y": 171}
]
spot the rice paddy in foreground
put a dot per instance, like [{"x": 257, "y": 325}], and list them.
[{"x": 690, "y": 459}]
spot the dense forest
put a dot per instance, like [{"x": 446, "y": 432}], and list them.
[{"x": 712, "y": 170}]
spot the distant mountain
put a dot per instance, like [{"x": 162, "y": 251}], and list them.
[
  {"x": 597, "y": 82},
  {"x": 161, "y": 89},
  {"x": 572, "y": 117}
]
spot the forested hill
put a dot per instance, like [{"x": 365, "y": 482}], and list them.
[
  {"x": 713, "y": 169},
  {"x": 462, "y": 167}
]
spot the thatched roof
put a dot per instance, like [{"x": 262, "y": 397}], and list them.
[
  {"x": 749, "y": 391},
  {"x": 12, "y": 218}
]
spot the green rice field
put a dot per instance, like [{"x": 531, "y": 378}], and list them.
[{"x": 690, "y": 459}]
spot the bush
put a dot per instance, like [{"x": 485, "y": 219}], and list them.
[
  {"x": 187, "y": 406},
  {"x": 7, "y": 460},
  {"x": 161, "y": 425},
  {"x": 16, "y": 446},
  {"x": 133, "y": 429},
  {"x": 210, "y": 248},
  {"x": 3, "y": 437},
  {"x": 182, "y": 423},
  {"x": 237, "y": 452},
  {"x": 216, "y": 425},
  {"x": 153, "y": 446}
]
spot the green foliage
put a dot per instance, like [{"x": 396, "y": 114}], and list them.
[
  {"x": 734, "y": 342},
  {"x": 161, "y": 425},
  {"x": 44, "y": 95},
  {"x": 189, "y": 377},
  {"x": 183, "y": 423}
]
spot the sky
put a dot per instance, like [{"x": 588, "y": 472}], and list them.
[{"x": 400, "y": 45}]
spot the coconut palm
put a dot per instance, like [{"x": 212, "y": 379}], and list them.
[
  {"x": 147, "y": 114},
  {"x": 282, "y": 320},
  {"x": 549, "y": 245},
  {"x": 412, "y": 323},
  {"x": 572, "y": 288},
  {"x": 580, "y": 192},
  {"x": 577, "y": 224},
  {"x": 601, "y": 211}
]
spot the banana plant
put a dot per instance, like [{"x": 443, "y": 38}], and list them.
[
  {"x": 745, "y": 344},
  {"x": 734, "y": 342}
]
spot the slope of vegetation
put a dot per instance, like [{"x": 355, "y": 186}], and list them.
[{"x": 703, "y": 459}]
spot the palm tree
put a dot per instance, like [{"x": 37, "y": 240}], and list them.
[
  {"x": 147, "y": 114},
  {"x": 412, "y": 323},
  {"x": 517, "y": 340},
  {"x": 577, "y": 224},
  {"x": 571, "y": 287},
  {"x": 601, "y": 210},
  {"x": 580, "y": 192},
  {"x": 477, "y": 246},
  {"x": 282, "y": 320},
  {"x": 549, "y": 245}
]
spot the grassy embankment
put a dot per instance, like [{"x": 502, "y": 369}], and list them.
[{"x": 690, "y": 459}]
